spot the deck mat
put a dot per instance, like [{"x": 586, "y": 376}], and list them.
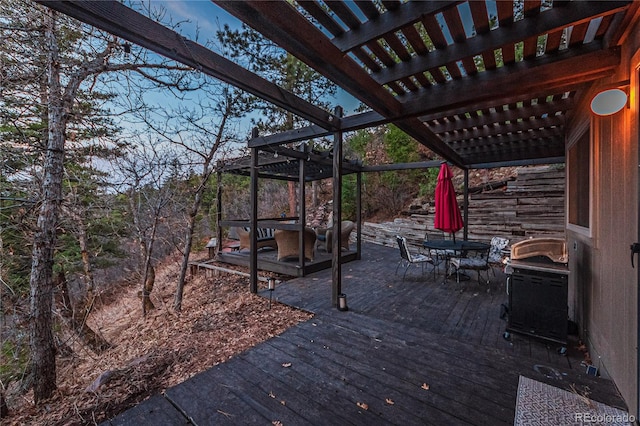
[{"x": 540, "y": 404}]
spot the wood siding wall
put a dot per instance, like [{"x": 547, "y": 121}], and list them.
[
  {"x": 603, "y": 285},
  {"x": 532, "y": 205}
]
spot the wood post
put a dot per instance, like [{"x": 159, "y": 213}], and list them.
[
  {"x": 465, "y": 233},
  {"x": 219, "y": 212},
  {"x": 336, "y": 248},
  {"x": 359, "y": 215},
  {"x": 302, "y": 214},
  {"x": 253, "y": 246}
]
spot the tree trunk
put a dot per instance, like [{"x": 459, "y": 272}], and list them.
[
  {"x": 41, "y": 283},
  {"x": 82, "y": 311},
  {"x": 149, "y": 270},
  {"x": 177, "y": 301},
  {"x": 147, "y": 304}
]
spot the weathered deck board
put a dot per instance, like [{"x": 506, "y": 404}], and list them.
[{"x": 397, "y": 335}]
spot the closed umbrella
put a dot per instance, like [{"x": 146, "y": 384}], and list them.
[{"x": 448, "y": 217}]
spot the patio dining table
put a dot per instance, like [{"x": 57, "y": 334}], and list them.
[{"x": 457, "y": 246}]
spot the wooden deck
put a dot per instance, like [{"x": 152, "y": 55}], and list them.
[
  {"x": 409, "y": 352},
  {"x": 268, "y": 261}
]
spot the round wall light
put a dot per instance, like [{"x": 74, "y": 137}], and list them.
[{"x": 609, "y": 102}]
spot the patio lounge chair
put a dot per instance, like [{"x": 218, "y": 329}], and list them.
[
  {"x": 289, "y": 244},
  {"x": 321, "y": 232},
  {"x": 347, "y": 227},
  {"x": 408, "y": 259}
]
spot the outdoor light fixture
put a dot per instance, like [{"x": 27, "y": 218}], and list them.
[
  {"x": 271, "y": 282},
  {"x": 342, "y": 302},
  {"x": 610, "y": 100}
]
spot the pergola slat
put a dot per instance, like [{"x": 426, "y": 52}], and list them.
[
  {"x": 545, "y": 150},
  {"x": 578, "y": 33},
  {"x": 381, "y": 54},
  {"x": 505, "y": 12},
  {"x": 367, "y": 8},
  {"x": 398, "y": 47},
  {"x": 531, "y": 8},
  {"x": 492, "y": 103},
  {"x": 322, "y": 17},
  {"x": 417, "y": 43},
  {"x": 344, "y": 13},
  {"x": 542, "y": 128},
  {"x": 389, "y": 22},
  {"x": 485, "y": 43},
  {"x": 502, "y": 116},
  {"x": 506, "y": 142},
  {"x": 480, "y": 16}
]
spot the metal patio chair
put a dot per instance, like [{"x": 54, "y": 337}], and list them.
[
  {"x": 408, "y": 259},
  {"x": 439, "y": 256},
  {"x": 478, "y": 262},
  {"x": 496, "y": 256}
]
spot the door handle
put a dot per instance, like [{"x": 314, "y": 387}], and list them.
[{"x": 635, "y": 248}]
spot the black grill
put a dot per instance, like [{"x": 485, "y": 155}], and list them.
[{"x": 538, "y": 293}]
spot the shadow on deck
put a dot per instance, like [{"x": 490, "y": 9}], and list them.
[{"x": 414, "y": 352}]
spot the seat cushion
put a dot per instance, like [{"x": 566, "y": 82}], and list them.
[
  {"x": 497, "y": 245},
  {"x": 419, "y": 257},
  {"x": 469, "y": 263}
]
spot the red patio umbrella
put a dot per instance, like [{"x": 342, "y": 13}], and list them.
[{"x": 448, "y": 217}]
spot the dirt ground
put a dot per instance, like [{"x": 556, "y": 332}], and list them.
[{"x": 219, "y": 318}]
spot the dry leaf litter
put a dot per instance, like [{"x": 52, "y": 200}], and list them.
[{"x": 219, "y": 318}]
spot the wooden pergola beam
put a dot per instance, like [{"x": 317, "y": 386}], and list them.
[
  {"x": 516, "y": 154},
  {"x": 509, "y": 140},
  {"x": 516, "y": 163},
  {"x": 402, "y": 166}
]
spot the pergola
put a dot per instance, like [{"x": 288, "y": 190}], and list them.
[
  {"x": 301, "y": 164},
  {"x": 481, "y": 83}
]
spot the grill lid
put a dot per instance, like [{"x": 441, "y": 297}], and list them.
[{"x": 553, "y": 248}]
